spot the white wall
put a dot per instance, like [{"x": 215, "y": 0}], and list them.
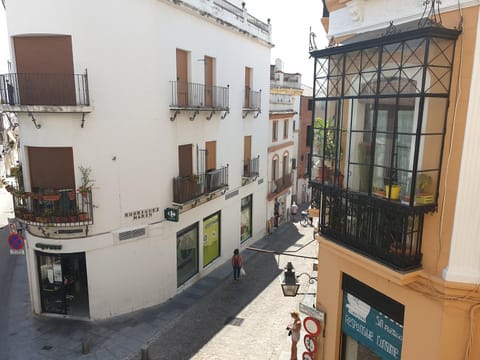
[{"x": 129, "y": 51}]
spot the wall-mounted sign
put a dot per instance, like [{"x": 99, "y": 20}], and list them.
[
  {"x": 372, "y": 328},
  {"x": 171, "y": 214},
  {"x": 142, "y": 214},
  {"x": 310, "y": 344}
]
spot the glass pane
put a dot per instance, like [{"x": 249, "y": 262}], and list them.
[
  {"x": 391, "y": 56},
  {"x": 211, "y": 239},
  {"x": 358, "y": 179},
  {"x": 246, "y": 218},
  {"x": 434, "y": 115},
  {"x": 370, "y": 59},
  {"x": 425, "y": 187},
  {"x": 440, "y": 52},
  {"x": 438, "y": 80},
  {"x": 413, "y": 52},
  {"x": 430, "y": 152},
  {"x": 187, "y": 254}
]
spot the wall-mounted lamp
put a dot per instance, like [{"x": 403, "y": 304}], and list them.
[{"x": 290, "y": 284}]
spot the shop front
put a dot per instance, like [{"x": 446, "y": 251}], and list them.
[
  {"x": 63, "y": 284},
  {"x": 372, "y": 323}
]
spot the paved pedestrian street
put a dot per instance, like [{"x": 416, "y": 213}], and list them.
[{"x": 245, "y": 319}]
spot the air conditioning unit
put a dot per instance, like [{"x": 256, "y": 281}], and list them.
[{"x": 214, "y": 180}]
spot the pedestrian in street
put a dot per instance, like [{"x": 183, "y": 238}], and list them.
[
  {"x": 276, "y": 211},
  {"x": 294, "y": 331},
  {"x": 237, "y": 263},
  {"x": 293, "y": 210}
]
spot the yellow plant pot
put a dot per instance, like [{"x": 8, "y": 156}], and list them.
[{"x": 394, "y": 194}]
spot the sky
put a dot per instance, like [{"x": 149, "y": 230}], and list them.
[{"x": 291, "y": 21}]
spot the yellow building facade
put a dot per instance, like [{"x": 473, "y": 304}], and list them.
[{"x": 398, "y": 261}]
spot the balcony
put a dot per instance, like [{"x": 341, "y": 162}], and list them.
[
  {"x": 386, "y": 232},
  {"x": 44, "y": 93},
  {"x": 278, "y": 186},
  {"x": 198, "y": 97},
  {"x": 61, "y": 208},
  {"x": 251, "y": 168},
  {"x": 252, "y": 102},
  {"x": 190, "y": 188}
]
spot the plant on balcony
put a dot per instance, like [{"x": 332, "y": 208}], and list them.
[
  {"x": 326, "y": 146},
  {"x": 50, "y": 195},
  {"x": 86, "y": 180}
]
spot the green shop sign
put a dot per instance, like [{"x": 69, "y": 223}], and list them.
[{"x": 371, "y": 328}]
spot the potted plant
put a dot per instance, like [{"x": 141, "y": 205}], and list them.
[
  {"x": 85, "y": 179},
  {"x": 423, "y": 194},
  {"x": 50, "y": 195},
  {"x": 326, "y": 147}
]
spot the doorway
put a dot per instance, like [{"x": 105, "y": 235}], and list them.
[{"x": 63, "y": 284}]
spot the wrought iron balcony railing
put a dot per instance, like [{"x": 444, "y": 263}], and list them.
[
  {"x": 253, "y": 99},
  {"x": 384, "y": 231},
  {"x": 44, "y": 89},
  {"x": 280, "y": 184},
  {"x": 251, "y": 168},
  {"x": 59, "y": 209},
  {"x": 192, "y": 187},
  {"x": 198, "y": 96}
]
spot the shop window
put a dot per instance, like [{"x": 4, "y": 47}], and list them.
[
  {"x": 211, "y": 238},
  {"x": 246, "y": 218},
  {"x": 187, "y": 253},
  {"x": 63, "y": 283}
]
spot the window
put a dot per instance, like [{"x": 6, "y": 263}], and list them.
[
  {"x": 275, "y": 130},
  {"x": 187, "y": 253},
  {"x": 211, "y": 238},
  {"x": 285, "y": 129},
  {"x": 246, "y": 218}
]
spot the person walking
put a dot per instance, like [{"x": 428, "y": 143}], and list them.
[
  {"x": 237, "y": 263},
  {"x": 294, "y": 332}
]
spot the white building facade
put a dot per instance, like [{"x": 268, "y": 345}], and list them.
[
  {"x": 285, "y": 91},
  {"x": 165, "y": 116}
]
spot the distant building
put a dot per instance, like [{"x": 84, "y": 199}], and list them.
[
  {"x": 143, "y": 132},
  {"x": 285, "y": 91},
  {"x": 394, "y": 172}
]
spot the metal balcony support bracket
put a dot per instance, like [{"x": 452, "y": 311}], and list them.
[
  {"x": 37, "y": 126},
  {"x": 83, "y": 120},
  {"x": 225, "y": 114},
  {"x": 245, "y": 113},
  {"x": 209, "y": 117},
  {"x": 256, "y": 115},
  {"x": 194, "y": 115},
  {"x": 172, "y": 118}
]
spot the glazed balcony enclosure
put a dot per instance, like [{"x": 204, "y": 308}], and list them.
[
  {"x": 18, "y": 89},
  {"x": 60, "y": 208},
  {"x": 380, "y": 115},
  {"x": 190, "y": 188}
]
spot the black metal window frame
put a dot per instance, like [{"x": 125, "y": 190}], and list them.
[{"x": 409, "y": 69}]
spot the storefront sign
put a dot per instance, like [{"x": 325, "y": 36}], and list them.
[
  {"x": 171, "y": 214},
  {"x": 372, "y": 328}
]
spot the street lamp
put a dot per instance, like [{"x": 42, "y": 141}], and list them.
[{"x": 290, "y": 284}]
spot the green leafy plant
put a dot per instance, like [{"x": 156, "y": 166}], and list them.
[
  {"x": 325, "y": 138},
  {"x": 85, "y": 178}
]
